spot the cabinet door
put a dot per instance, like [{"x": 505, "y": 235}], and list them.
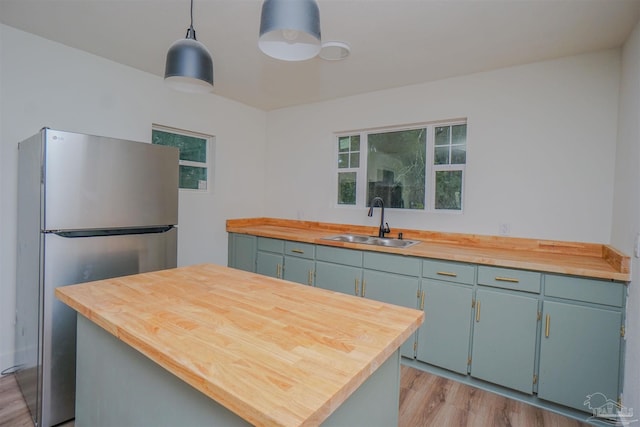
[
  {"x": 443, "y": 338},
  {"x": 579, "y": 354},
  {"x": 394, "y": 289},
  {"x": 298, "y": 270},
  {"x": 504, "y": 339},
  {"x": 340, "y": 278},
  {"x": 242, "y": 252},
  {"x": 269, "y": 264}
]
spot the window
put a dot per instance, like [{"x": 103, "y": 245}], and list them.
[
  {"x": 195, "y": 152},
  {"x": 450, "y": 156},
  {"x": 420, "y": 168},
  {"x": 348, "y": 163}
]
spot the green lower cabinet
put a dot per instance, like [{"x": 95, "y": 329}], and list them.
[
  {"x": 269, "y": 264},
  {"x": 443, "y": 338},
  {"x": 504, "y": 339},
  {"x": 579, "y": 354},
  {"x": 242, "y": 252},
  {"x": 298, "y": 270},
  {"x": 393, "y": 289},
  {"x": 338, "y": 277}
]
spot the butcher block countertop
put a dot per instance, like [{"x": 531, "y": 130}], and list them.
[
  {"x": 273, "y": 352},
  {"x": 575, "y": 258}
]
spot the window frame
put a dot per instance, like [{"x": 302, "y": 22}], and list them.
[
  {"x": 208, "y": 164},
  {"x": 430, "y": 167}
]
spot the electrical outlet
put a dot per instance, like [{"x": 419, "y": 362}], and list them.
[{"x": 504, "y": 229}]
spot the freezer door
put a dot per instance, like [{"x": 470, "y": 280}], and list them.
[
  {"x": 82, "y": 259},
  {"x": 96, "y": 182}
]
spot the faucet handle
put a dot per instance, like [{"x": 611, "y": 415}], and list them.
[{"x": 386, "y": 228}]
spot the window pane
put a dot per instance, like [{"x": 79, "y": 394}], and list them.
[
  {"x": 343, "y": 160},
  {"x": 347, "y": 188},
  {"x": 193, "y": 177},
  {"x": 191, "y": 148},
  {"x": 441, "y": 156},
  {"x": 396, "y": 168},
  {"x": 355, "y": 160},
  {"x": 343, "y": 143},
  {"x": 458, "y": 155},
  {"x": 355, "y": 143},
  {"x": 442, "y": 135},
  {"x": 459, "y": 134},
  {"x": 448, "y": 190}
]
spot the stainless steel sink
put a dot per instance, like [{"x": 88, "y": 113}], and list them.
[{"x": 372, "y": 240}]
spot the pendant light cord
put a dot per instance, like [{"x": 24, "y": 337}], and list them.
[
  {"x": 191, "y": 33},
  {"x": 191, "y": 13}
]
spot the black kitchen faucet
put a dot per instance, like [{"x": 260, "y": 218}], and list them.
[{"x": 384, "y": 227}]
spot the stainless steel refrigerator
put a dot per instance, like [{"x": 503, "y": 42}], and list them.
[{"x": 89, "y": 208}]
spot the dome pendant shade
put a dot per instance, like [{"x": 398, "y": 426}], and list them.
[
  {"x": 290, "y": 29},
  {"x": 189, "y": 67}
]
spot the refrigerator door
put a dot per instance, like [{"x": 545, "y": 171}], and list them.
[
  {"x": 81, "y": 259},
  {"x": 95, "y": 182}
]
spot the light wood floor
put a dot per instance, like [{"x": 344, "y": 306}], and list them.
[
  {"x": 425, "y": 400},
  {"x": 429, "y": 400}
]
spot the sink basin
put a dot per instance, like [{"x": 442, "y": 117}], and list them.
[{"x": 372, "y": 240}]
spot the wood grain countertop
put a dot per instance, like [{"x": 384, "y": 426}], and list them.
[
  {"x": 552, "y": 256},
  {"x": 273, "y": 352}
]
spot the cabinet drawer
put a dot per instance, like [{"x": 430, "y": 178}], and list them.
[
  {"x": 339, "y": 256},
  {"x": 507, "y": 278},
  {"x": 449, "y": 271},
  {"x": 302, "y": 250},
  {"x": 270, "y": 245},
  {"x": 392, "y": 263},
  {"x": 587, "y": 290}
]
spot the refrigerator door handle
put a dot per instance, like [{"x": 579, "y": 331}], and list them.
[{"x": 112, "y": 232}]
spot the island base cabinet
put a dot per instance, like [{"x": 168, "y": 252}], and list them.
[
  {"x": 504, "y": 339},
  {"x": 119, "y": 386},
  {"x": 579, "y": 355},
  {"x": 443, "y": 338}
]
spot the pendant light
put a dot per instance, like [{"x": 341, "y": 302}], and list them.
[
  {"x": 290, "y": 29},
  {"x": 189, "y": 66}
]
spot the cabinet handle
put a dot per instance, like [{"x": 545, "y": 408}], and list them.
[
  {"x": 507, "y": 279},
  {"x": 310, "y": 281},
  {"x": 364, "y": 287},
  {"x": 447, "y": 273},
  {"x": 477, "y": 311},
  {"x": 422, "y": 301},
  {"x": 355, "y": 288},
  {"x": 278, "y": 270},
  {"x": 546, "y": 326},
  {"x": 297, "y": 251}
]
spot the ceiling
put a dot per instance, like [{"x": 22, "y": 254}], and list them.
[{"x": 393, "y": 42}]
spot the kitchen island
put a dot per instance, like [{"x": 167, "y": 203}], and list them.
[{"x": 214, "y": 345}]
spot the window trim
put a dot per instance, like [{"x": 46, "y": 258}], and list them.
[
  {"x": 430, "y": 170},
  {"x": 208, "y": 164}
]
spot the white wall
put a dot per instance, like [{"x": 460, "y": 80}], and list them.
[
  {"x": 626, "y": 207},
  {"x": 541, "y": 149},
  {"x": 47, "y": 84}
]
